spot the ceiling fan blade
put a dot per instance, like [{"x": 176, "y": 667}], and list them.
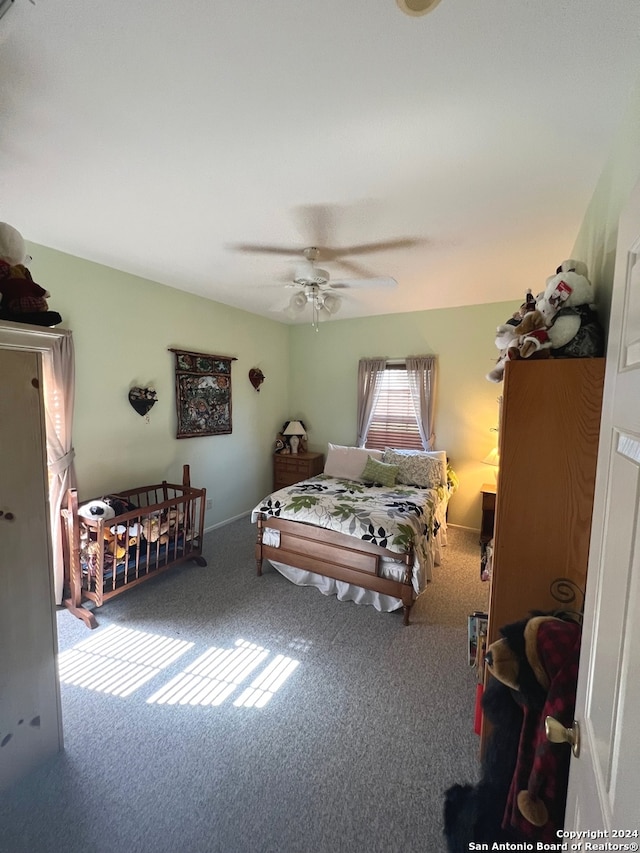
[
  {"x": 260, "y": 249},
  {"x": 356, "y": 269},
  {"x": 368, "y": 248},
  {"x": 353, "y": 283}
]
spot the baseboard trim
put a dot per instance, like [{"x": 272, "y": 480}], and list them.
[
  {"x": 463, "y": 527},
  {"x": 226, "y": 521}
]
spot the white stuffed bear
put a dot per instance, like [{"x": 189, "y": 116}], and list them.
[
  {"x": 22, "y": 300},
  {"x": 12, "y": 246},
  {"x": 566, "y": 305}
]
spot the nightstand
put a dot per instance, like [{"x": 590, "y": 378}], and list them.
[
  {"x": 488, "y": 493},
  {"x": 290, "y": 468}
]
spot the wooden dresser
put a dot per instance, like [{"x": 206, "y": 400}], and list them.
[
  {"x": 548, "y": 439},
  {"x": 290, "y": 468}
]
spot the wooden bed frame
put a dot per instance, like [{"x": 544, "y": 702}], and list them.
[
  {"x": 144, "y": 559},
  {"x": 335, "y": 555}
]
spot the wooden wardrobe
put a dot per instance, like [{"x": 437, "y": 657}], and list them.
[{"x": 548, "y": 440}]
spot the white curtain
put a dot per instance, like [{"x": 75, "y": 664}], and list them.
[
  {"x": 421, "y": 373},
  {"x": 370, "y": 371},
  {"x": 59, "y": 388}
]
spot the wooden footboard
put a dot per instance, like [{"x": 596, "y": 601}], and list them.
[{"x": 335, "y": 555}]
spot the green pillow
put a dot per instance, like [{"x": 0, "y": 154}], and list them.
[{"x": 379, "y": 472}]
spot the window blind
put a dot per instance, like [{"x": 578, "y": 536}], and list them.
[{"x": 393, "y": 422}]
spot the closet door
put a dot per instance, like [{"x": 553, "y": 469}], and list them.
[{"x": 30, "y": 721}]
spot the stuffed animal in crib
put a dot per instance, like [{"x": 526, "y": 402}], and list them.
[
  {"x": 89, "y": 551},
  {"x": 118, "y": 504},
  {"x": 175, "y": 517},
  {"x": 121, "y": 537},
  {"x": 154, "y": 530},
  {"x": 567, "y": 307},
  {"x": 21, "y": 299},
  {"x": 96, "y": 509},
  {"x": 117, "y": 541}
]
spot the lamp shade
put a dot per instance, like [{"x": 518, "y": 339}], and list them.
[
  {"x": 492, "y": 458},
  {"x": 294, "y": 428}
]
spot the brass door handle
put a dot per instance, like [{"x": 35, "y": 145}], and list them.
[{"x": 557, "y": 733}]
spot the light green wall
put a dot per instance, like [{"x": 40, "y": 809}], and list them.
[
  {"x": 596, "y": 240},
  {"x": 122, "y": 328},
  {"x": 323, "y": 383}
]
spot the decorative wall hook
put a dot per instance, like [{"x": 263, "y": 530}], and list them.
[
  {"x": 256, "y": 377},
  {"x": 143, "y": 400}
]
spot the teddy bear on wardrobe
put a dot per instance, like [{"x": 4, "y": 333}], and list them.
[
  {"x": 22, "y": 300},
  {"x": 567, "y": 305},
  {"x": 524, "y": 335}
]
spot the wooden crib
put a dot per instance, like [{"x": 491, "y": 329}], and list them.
[{"x": 161, "y": 525}]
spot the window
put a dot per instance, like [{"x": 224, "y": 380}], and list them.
[
  {"x": 393, "y": 419},
  {"x": 396, "y": 402}
]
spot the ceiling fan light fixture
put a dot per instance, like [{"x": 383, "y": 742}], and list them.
[
  {"x": 297, "y": 304},
  {"x": 417, "y": 7},
  {"x": 331, "y": 303}
]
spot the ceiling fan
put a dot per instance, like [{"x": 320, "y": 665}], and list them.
[
  {"x": 313, "y": 283},
  {"x": 315, "y": 288}
]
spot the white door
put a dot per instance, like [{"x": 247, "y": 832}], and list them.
[
  {"x": 604, "y": 779},
  {"x": 30, "y": 722}
]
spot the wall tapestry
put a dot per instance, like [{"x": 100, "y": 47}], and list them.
[{"x": 203, "y": 393}]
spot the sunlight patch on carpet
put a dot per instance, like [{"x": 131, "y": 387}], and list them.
[
  {"x": 119, "y": 660},
  {"x": 217, "y": 673},
  {"x": 267, "y": 683}
]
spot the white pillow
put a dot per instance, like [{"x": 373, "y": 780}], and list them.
[
  {"x": 347, "y": 463},
  {"x": 441, "y": 455}
]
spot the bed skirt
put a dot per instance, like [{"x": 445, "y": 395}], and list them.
[
  {"x": 343, "y": 591},
  {"x": 349, "y": 592}
]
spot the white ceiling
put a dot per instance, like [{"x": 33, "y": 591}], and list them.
[{"x": 154, "y": 136}]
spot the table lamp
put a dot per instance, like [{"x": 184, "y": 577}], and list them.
[
  {"x": 493, "y": 458},
  {"x": 294, "y": 430}
]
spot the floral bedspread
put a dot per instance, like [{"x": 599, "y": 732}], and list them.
[{"x": 389, "y": 517}]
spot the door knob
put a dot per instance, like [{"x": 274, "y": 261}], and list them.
[{"x": 557, "y": 733}]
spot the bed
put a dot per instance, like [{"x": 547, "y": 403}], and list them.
[{"x": 363, "y": 540}]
